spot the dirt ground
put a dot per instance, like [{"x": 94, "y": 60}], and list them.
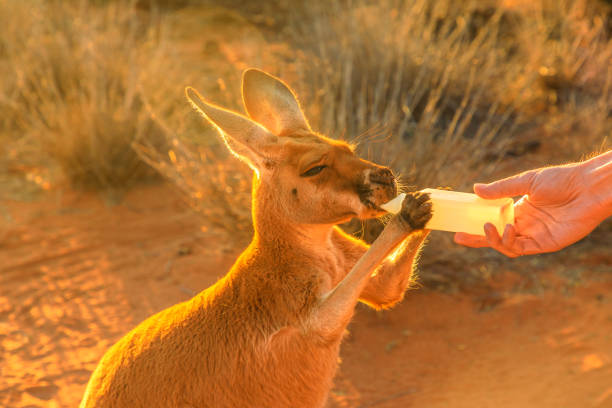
[{"x": 77, "y": 273}]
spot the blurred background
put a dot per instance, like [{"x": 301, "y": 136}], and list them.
[{"x": 117, "y": 200}]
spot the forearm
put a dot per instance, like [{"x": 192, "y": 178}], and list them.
[
  {"x": 600, "y": 159},
  {"x": 598, "y": 175},
  {"x": 387, "y": 286}
]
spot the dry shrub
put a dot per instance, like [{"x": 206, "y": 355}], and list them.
[
  {"x": 212, "y": 181},
  {"x": 194, "y": 158},
  {"x": 568, "y": 45},
  {"x": 414, "y": 83},
  {"x": 73, "y": 96},
  {"x": 443, "y": 91},
  {"x": 419, "y": 73}
]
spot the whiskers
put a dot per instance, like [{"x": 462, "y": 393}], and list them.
[{"x": 378, "y": 133}]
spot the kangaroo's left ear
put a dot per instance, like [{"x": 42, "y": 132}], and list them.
[
  {"x": 248, "y": 140},
  {"x": 270, "y": 102}
]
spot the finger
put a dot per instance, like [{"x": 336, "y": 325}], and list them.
[
  {"x": 508, "y": 187},
  {"x": 495, "y": 241},
  {"x": 473, "y": 241},
  {"x": 492, "y": 235},
  {"x": 509, "y": 237}
]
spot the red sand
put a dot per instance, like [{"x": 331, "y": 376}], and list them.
[{"x": 76, "y": 274}]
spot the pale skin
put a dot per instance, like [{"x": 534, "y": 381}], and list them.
[
  {"x": 559, "y": 206},
  {"x": 268, "y": 333}
]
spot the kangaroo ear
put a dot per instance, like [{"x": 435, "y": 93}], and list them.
[
  {"x": 271, "y": 102},
  {"x": 245, "y": 138}
]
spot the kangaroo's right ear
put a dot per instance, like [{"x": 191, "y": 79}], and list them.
[
  {"x": 271, "y": 102},
  {"x": 245, "y": 138}
]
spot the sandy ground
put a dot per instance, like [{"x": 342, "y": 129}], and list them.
[{"x": 76, "y": 274}]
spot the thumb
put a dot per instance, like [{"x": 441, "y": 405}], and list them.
[{"x": 519, "y": 184}]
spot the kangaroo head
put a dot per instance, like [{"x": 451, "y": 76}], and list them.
[{"x": 311, "y": 179}]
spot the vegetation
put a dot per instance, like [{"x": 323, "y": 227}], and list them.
[{"x": 74, "y": 99}]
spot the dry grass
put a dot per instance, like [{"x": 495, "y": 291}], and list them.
[
  {"x": 210, "y": 181},
  {"x": 75, "y": 101},
  {"x": 452, "y": 86},
  {"x": 411, "y": 82}
]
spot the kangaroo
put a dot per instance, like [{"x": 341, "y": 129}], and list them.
[{"x": 268, "y": 333}]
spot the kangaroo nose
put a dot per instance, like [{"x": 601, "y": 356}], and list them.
[{"x": 382, "y": 175}]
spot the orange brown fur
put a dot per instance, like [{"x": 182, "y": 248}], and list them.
[{"x": 268, "y": 334}]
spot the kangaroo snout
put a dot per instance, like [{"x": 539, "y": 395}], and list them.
[
  {"x": 379, "y": 186},
  {"x": 384, "y": 176}
]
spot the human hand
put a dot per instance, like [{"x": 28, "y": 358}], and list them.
[{"x": 560, "y": 205}]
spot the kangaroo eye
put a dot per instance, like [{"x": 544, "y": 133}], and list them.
[{"x": 313, "y": 171}]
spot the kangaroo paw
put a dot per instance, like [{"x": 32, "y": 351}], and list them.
[{"x": 416, "y": 210}]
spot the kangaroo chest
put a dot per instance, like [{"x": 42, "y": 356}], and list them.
[{"x": 331, "y": 268}]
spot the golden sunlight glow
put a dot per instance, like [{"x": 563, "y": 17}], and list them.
[
  {"x": 400, "y": 248},
  {"x": 128, "y": 231},
  {"x": 172, "y": 156},
  {"x": 591, "y": 362}
]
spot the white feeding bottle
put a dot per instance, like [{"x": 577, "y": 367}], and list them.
[{"x": 462, "y": 212}]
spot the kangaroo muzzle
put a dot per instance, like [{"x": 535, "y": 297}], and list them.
[{"x": 379, "y": 186}]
